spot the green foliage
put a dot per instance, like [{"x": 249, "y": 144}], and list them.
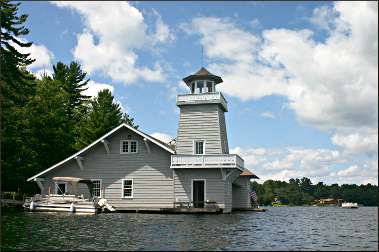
[
  {"x": 17, "y": 88},
  {"x": 16, "y": 83},
  {"x": 103, "y": 115},
  {"x": 43, "y": 120},
  {"x": 74, "y": 82},
  {"x": 303, "y": 192}
]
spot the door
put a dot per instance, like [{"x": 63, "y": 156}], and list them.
[{"x": 198, "y": 193}]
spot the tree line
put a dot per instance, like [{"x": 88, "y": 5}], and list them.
[
  {"x": 303, "y": 192},
  {"x": 47, "y": 118}
]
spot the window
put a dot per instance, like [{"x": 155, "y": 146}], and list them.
[
  {"x": 200, "y": 86},
  {"x": 133, "y": 146},
  {"x": 60, "y": 188},
  {"x": 192, "y": 87},
  {"x": 96, "y": 189},
  {"x": 128, "y": 146},
  {"x": 210, "y": 86},
  {"x": 127, "y": 188},
  {"x": 199, "y": 147}
]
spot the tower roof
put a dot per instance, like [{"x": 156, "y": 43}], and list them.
[{"x": 203, "y": 74}]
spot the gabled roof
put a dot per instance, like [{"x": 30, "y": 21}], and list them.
[
  {"x": 202, "y": 74},
  {"x": 150, "y": 138},
  {"x": 247, "y": 173}
]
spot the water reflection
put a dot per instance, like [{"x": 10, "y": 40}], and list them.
[{"x": 296, "y": 228}]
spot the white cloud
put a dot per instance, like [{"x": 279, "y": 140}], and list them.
[
  {"x": 364, "y": 141},
  {"x": 41, "y": 72},
  {"x": 162, "y": 31},
  {"x": 95, "y": 87},
  {"x": 327, "y": 165},
  {"x": 114, "y": 32},
  {"x": 316, "y": 164},
  {"x": 162, "y": 136},
  {"x": 331, "y": 85},
  {"x": 268, "y": 114},
  {"x": 43, "y": 56}
]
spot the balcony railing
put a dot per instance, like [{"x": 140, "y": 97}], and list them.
[
  {"x": 202, "y": 98},
  {"x": 207, "y": 161}
]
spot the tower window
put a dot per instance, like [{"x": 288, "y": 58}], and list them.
[
  {"x": 200, "y": 86},
  {"x": 199, "y": 147},
  {"x": 192, "y": 87},
  {"x": 210, "y": 86}
]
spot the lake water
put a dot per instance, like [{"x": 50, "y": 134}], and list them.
[{"x": 279, "y": 228}]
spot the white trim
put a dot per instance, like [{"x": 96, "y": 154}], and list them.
[
  {"x": 106, "y": 146},
  {"x": 122, "y": 189},
  {"x": 56, "y": 187},
  {"x": 79, "y": 160},
  {"x": 205, "y": 189},
  {"x": 146, "y": 145},
  {"x": 101, "y": 185},
  {"x": 98, "y": 140}
]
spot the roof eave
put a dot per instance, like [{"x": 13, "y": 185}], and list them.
[{"x": 97, "y": 141}]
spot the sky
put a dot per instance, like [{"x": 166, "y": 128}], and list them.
[{"x": 300, "y": 78}]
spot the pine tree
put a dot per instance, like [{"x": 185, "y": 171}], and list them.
[
  {"x": 104, "y": 115},
  {"x": 16, "y": 83},
  {"x": 17, "y": 86},
  {"x": 48, "y": 122},
  {"x": 74, "y": 82}
]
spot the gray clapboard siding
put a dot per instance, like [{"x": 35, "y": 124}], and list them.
[
  {"x": 215, "y": 186},
  {"x": 223, "y": 133},
  {"x": 201, "y": 122},
  {"x": 151, "y": 173},
  {"x": 241, "y": 189}
]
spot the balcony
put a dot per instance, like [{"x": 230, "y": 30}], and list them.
[
  {"x": 203, "y": 98},
  {"x": 207, "y": 161}
]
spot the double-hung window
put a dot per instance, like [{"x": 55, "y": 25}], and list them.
[
  {"x": 128, "y": 146},
  {"x": 127, "y": 188},
  {"x": 199, "y": 148},
  {"x": 96, "y": 187}
]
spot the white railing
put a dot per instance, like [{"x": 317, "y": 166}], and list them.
[
  {"x": 207, "y": 161},
  {"x": 201, "y": 98}
]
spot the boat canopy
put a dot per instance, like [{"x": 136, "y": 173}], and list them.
[{"x": 72, "y": 179}]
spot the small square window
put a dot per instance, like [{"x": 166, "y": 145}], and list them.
[{"x": 128, "y": 146}]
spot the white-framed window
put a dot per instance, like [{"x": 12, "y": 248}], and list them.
[
  {"x": 200, "y": 86},
  {"x": 210, "y": 86},
  {"x": 96, "y": 189},
  {"x": 128, "y": 146},
  {"x": 127, "y": 188},
  {"x": 199, "y": 147},
  {"x": 60, "y": 188}
]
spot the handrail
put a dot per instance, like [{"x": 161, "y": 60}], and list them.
[{"x": 216, "y": 160}]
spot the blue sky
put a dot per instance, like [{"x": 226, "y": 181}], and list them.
[{"x": 299, "y": 77}]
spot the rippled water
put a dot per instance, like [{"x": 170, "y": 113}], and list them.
[{"x": 280, "y": 228}]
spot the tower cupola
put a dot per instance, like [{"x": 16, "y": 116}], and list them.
[{"x": 202, "y": 82}]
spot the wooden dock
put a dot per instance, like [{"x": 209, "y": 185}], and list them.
[
  {"x": 192, "y": 210},
  {"x": 250, "y": 209},
  {"x": 11, "y": 203}
]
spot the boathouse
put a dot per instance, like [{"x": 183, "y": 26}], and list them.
[{"x": 135, "y": 171}]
